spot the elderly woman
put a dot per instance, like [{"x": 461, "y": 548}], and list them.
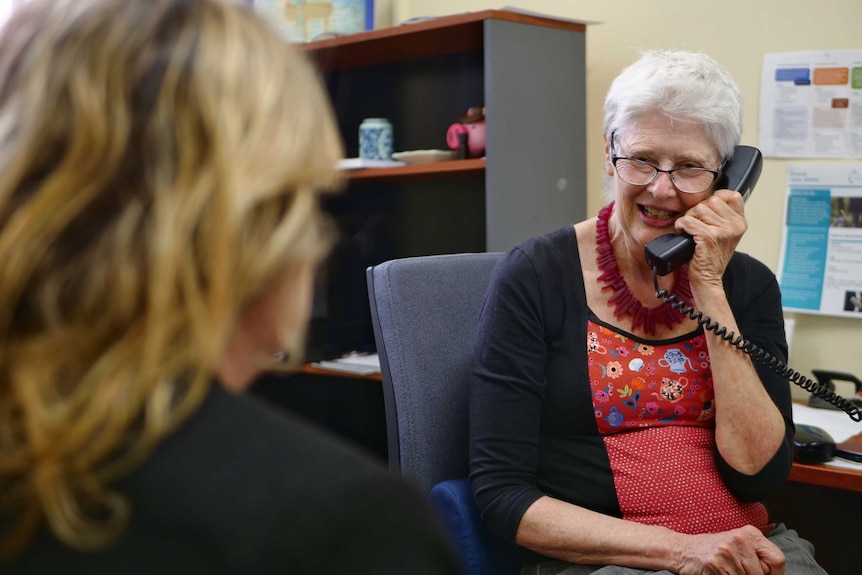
[
  {"x": 161, "y": 163},
  {"x": 610, "y": 433}
]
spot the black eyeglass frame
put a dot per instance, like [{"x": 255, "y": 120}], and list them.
[{"x": 657, "y": 171}]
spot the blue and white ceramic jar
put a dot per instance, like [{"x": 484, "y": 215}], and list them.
[{"x": 375, "y": 139}]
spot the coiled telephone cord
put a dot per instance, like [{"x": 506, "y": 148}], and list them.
[{"x": 753, "y": 350}]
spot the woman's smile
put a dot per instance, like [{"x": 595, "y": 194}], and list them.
[{"x": 656, "y": 217}]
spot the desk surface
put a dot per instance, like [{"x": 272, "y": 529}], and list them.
[
  {"x": 817, "y": 474},
  {"x": 840, "y": 427}
]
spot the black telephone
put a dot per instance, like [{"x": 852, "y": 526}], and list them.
[
  {"x": 666, "y": 253},
  {"x": 827, "y": 378},
  {"x": 740, "y": 173}
]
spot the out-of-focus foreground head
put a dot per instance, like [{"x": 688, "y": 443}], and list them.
[{"x": 160, "y": 166}]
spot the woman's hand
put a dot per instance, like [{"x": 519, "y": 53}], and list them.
[
  {"x": 717, "y": 225},
  {"x": 743, "y": 551},
  {"x": 571, "y": 533}
]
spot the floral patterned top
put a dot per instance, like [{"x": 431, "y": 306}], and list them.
[{"x": 635, "y": 384}]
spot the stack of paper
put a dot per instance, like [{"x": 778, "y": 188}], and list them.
[
  {"x": 365, "y": 364},
  {"x": 358, "y": 163},
  {"x": 834, "y": 422}
]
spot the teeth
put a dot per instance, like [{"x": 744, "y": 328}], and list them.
[{"x": 654, "y": 213}]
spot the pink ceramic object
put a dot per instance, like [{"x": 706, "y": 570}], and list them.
[{"x": 472, "y": 125}]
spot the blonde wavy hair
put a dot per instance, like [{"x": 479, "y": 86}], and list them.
[{"x": 161, "y": 163}]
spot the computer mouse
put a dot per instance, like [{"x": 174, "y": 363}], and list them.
[{"x": 812, "y": 444}]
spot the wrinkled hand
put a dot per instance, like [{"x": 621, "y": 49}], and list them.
[
  {"x": 743, "y": 551},
  {"x": 717, "y": 225}
]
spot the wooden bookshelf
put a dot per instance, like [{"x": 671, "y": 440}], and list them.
[
  {"x": 434, "y": 37},
  {"x": 527, "y": 71}
]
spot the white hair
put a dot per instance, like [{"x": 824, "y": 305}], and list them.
[{"x": 684, "y": 86}]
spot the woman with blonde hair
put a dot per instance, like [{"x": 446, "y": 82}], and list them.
[{"x": 161, "y": 163}]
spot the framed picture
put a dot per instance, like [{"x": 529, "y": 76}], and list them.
[{"x": 306, "y": 20}]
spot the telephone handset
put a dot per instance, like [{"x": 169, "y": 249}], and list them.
[
  {"x": 739, "y": 173},
  {"x": 666, "y": 253}
]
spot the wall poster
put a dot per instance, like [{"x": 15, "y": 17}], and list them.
[
  {"x": 820, "y": 266},
  {"x": 306, "y": 20},
  {"x": 811, "y": 105}
]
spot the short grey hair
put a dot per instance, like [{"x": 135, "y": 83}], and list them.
[{"x": 684, "y": 86}]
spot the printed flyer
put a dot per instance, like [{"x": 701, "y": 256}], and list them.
[
  {"x": 820, "y": 268},
  {"x": 811, "y": 105}
]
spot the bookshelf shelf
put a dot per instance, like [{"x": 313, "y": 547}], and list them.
[{"x": 474, "y": 168}]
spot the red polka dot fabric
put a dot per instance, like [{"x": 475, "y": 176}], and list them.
[{"x": 668, "y": 476}]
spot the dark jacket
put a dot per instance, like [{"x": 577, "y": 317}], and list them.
[{"x": 244, "y": 487}]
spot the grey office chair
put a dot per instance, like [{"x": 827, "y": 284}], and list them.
[{"x": 425, "y": 313}]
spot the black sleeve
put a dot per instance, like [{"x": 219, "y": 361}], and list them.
[
  {"x": 506, "y": 394},
  {"x": 755, "y": 298}
]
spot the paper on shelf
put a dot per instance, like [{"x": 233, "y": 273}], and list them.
[
  {"x": 520, "y": 10},
  {"x": 366, "y": 364},
  {"x": 356, "y": 163},
  {"x": 515, "y": 9}
]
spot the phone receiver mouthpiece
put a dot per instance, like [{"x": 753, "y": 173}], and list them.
[{"x": 668, "y": 252}]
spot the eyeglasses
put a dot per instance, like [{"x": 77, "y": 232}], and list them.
[{"x": 640, "y": 173}]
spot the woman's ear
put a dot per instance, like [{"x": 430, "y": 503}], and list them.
[{"x": 609, "y": 165}]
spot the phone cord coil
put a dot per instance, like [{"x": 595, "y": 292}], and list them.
[{"x": 756, "y": 352}]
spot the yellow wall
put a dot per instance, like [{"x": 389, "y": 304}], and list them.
[{"x": 738, "y": 33}]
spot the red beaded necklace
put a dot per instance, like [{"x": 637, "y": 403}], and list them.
[{"x": 623, "y": 300}]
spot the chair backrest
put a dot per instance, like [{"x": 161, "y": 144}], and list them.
[{"x": 425, "y": 312}]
